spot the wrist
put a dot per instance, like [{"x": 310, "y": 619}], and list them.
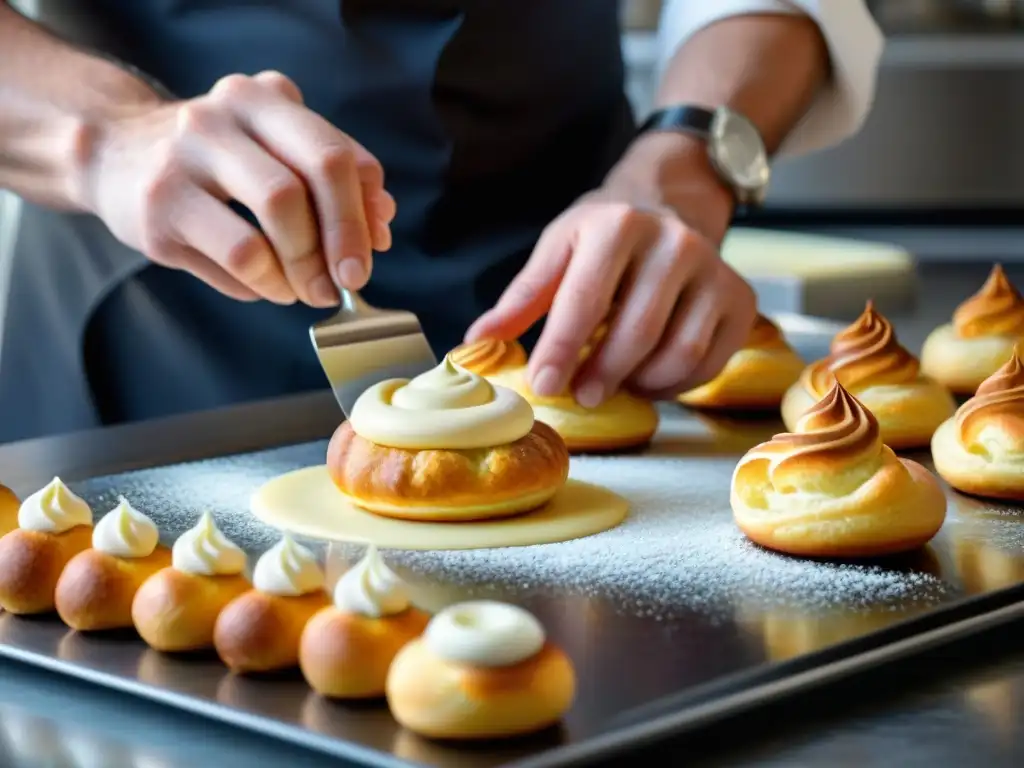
[{"x": 672, "y": 169}]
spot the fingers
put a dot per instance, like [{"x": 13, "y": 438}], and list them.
[
  {"x": 645, "y": 310},
  {"x": 191, "y": 260},
  {"x": 601, "y": 254},
  {"x": 205, "y": 224},
  {"x": 530, "y": 294}
]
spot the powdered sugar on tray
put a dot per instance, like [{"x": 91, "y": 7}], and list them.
[{"x": 677, "y": 551}]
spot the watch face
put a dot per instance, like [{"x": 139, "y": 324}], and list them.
[{"x": 737, "y": 148}]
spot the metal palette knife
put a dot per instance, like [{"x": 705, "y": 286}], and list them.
[{"x": 361, "y": 346}]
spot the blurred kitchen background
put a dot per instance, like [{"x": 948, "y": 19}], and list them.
[{"x": 937, "y": 170}]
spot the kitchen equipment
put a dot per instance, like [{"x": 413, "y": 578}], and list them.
[
  {"x": 361, "y": 345},
  {"x": 821, "y": 276},
  {"x": 707, "y": 623}
]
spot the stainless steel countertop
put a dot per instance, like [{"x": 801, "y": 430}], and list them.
[{"x": 959, "y": 706}]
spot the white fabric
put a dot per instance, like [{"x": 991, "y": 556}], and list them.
[{"x": 855, "y": 44}]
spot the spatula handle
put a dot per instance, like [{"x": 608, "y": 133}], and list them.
[{"x": 352, "y": 305}]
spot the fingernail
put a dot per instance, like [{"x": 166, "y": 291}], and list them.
[
  {"x": 591, "y": 394},
  {"x": 547, "y": 382},
  {"x": 351, "y": 273},
  {"x": 322, "y": 291}
]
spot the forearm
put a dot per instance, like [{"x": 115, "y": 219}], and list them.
[
  {"x": 767, "y": 67},
  {"x": 52, "y": 98}
]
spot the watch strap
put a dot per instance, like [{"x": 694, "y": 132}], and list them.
[{"x": 681, "y": 118}]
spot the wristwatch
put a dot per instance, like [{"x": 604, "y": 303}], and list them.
[{"x": 735, "y": 147}]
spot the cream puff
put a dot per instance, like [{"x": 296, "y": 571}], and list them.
[
  {"x": 9, "y": 504},
  {"x": 97, "y": 587},
  {"x": 831, "y": 488},
  {"x": 869, "y": 362},
  {"x": 623, "y": 421},
  {"x": 755, "y": 378},
  {"x": 446, "y": 446},
  {"x": 985, "y": 328},
  {"x": 980, "y": 450},
  {"x": 177, "y": 607},
  {"x": 259, "y": 631},
  {"x": 347, "y": 648},
  {"x": 481, "y": 670},
  {"x": 54, "y": 525}
]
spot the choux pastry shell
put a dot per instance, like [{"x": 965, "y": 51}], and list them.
[
  {"x": 97, "y": 587},
  {"x": 177, "y": 607},
  {"x": 985, "y": 328},
  {"x": 347, "y": 648},
  {"x": 980, "y": 450},
  {"x": 446, "y": 446},
  {"x": 54, "y": 526},
  {"x": 832, "y": 489},
  {"x": 481, "y": 670},
  {"x": 621, "y": 422},
  {"x": 259, "y": 630},
  {"x": 9, "y": 504},
  {"x": 755, "y": 378},
  {"x": 869, "y": 362}
]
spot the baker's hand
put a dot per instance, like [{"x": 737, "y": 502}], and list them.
[
  {"x": 162, "y": 175},
  {"x": 676, "y": 311}
]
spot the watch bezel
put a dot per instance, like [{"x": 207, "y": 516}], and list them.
[{"x": 723, "y": 122}]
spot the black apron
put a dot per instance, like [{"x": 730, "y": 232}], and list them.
[{"x": 489, "y": 117}]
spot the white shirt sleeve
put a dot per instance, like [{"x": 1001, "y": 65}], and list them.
[{"x": 855, "y": 44}]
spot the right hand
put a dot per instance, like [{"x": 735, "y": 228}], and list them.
[{"x": 161, "y": 177}]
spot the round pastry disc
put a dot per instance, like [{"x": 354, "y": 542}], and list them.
[{"x": 307, "y": 503}]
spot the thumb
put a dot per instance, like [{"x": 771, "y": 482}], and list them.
[{"x": 530, "y": 294}]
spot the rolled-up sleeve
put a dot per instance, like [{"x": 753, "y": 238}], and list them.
[{"x": 855, "y": 44}]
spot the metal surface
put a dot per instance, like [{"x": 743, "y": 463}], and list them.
[
  {"x": 362, "y": 345},
  {"x": 691, "y": 658}
]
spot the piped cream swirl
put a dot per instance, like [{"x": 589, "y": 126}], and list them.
[
  {"x": 53, "y": 509},
  {"x": 371, "y": 589},
  {"x": 835, "y": 448},
  {"x": 993, "y": 420},
  {"x": 288, "y": 569},
  {"x": 489, "y": 356},
  {"x": 865, "y": 354},
  {"x": 484, "y": 633},
  {"x": 205, "y": 551},
  {"x": 125, "y": 532},
  {"x": 765, "y": 335},
  {"x": 997, "y": 309},
  {"x": 447, "y": 408}
]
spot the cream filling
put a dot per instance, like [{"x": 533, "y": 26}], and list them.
[
  {"x": 125, "y": 532},
  {"x": 370, "y": 588},
  {"x": 484, "y": 633},
  {"x": 447, "y": 408},
  {"x": 205, "y": 551},
  {"x": 288, "y": 569},
  {"x": 53, "y": 509}
]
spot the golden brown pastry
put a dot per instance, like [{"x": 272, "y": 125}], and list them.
[
  {"x": 347, "y": 648},
  {"x": 482, "y": 670},
  {"x": 832, "y": 489},
  {"x": 177, "y": 607},
  {"x": 755, "y": 378},
  {"x": 446, "y": 446},
  {"x": 870, "y": 363},
  {"x": 259, "y": 630},
  {"x": 623, "y": 421},
  {"x": 97, "y": 587},
  {"x": 54, "y": 525},
  {"x": 985, "y": 328},
  {"x": 980, "y": 450},
  {"x": 9, "y": 504}
]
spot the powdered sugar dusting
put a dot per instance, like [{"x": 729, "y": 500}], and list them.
[{"x": 678, "y": 551}]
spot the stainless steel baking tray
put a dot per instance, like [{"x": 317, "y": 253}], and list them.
[{"x": 672, "y": 620}]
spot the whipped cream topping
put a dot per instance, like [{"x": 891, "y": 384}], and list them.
[
  {"x": 125, "y": 532},
  {"x": 288, "y": 569},
  {"x": 994, "y": 418},
  {"x": 371, "y": 589},
  {"x": 484, "y": 633},
  {"x": 865, "y": 354},
  {"x": 997, "y": 309},
  {"x": 205, "y": 551},
  {"x": 446, "y": 408},
  {"x": 53, "y": 509}
]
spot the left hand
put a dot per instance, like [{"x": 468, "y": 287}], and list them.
[{"x": 627, "y": 254}]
